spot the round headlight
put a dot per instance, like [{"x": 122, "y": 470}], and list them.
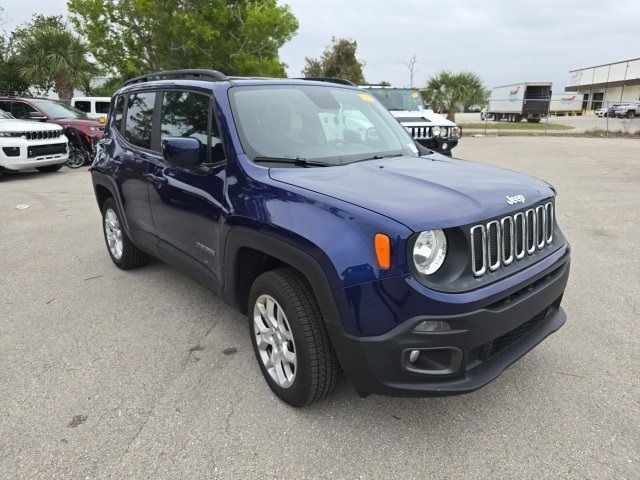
[
  {"x": 444, "y": 131},
  {"x": 435, "y": 131},
  {"x": 429, "y": 251}
]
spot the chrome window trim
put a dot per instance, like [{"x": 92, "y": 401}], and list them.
[
  {"x": 541, "y": 214},
  {"x": 507, "y": 261},
  {"x": 495, "y": 266},
  {"x": 483, "y": 270}
]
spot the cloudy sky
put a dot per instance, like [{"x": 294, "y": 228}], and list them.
[{"x": 505, "y": 41}]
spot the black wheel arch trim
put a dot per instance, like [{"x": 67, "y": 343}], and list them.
[{"x": 243, "y": 237}]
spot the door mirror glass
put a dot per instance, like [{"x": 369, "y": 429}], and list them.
[{"x": 183, "y": 152}]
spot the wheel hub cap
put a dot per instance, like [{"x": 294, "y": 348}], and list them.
[
  {"x": 276, "y": 347},
  {"x": 113, "y": 232}
]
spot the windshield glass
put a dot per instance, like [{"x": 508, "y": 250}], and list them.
[
  {"x": 4, "y": 115},
  {"x": 57, "y": 110},
  {"x": 320, "y": 123},
  {"x": 399, "y": 98}
]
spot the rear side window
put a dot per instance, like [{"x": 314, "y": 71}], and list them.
[
  {"x": 138, "y": 124},
  {"x": 102, "y": 107},
  {"x": 83, "y": 106},
  {"x": 117, "y": 121}
]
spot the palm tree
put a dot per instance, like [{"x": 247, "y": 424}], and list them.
[
  {"x": 47, "y": 53},
  {"x": 447, "y": 91}
]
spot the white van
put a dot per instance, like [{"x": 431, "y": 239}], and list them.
[{"x": 96, "y": 108}]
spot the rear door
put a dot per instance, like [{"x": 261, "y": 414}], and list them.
[{"x": 186, "y": 203}]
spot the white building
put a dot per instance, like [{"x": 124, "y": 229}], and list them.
[{"x": 606, "y": 84}]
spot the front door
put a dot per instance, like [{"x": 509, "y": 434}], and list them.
[{"x": 187, "y": 203}]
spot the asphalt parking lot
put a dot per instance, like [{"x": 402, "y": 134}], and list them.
[{"x": 145, "y": 374}]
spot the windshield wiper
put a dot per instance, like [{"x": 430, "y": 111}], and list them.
[
  {"x": 303, "y": 162},
  {"x": 378, "y": 157}
]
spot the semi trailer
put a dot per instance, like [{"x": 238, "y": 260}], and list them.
[{"x": 529, "y": 101}]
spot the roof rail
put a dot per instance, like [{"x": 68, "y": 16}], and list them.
[
  {"x": 340, "y": 81},
  {"x": 178, "y": 74}
]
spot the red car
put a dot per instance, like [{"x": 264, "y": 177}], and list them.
[{"x": 83, "y": 133}]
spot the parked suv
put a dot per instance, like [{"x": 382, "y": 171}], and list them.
[
  {"x": 82, "y": 132},
  {"x": 628, "y": 110},
  {"x": 428, "y": 128},
  {"x": 25, "y": 145},
  {"x": 413, "y": 273}
]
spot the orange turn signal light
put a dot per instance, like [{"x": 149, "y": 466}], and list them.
[{"x": 383, "y": 250}]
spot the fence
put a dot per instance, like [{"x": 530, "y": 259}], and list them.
[{"x": 564, "y": 114}]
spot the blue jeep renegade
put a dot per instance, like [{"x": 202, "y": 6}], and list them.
[{"x": 307, "y": 206}]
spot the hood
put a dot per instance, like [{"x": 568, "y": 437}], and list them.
[
  {"x": 420, "y": 117},
  {"x": 14, "y": 125},
  {"x": 422, "y": 192}
]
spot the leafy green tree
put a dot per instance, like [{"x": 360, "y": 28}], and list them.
[
  {"x": 447, "y": 91},
  {"x": 237, "y": 37},
  {"x": 338, "y": 60},
  {"x": 11, "y": 83},
  {"x": 47, "y": 55}
]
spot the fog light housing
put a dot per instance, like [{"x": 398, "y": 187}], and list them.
[
  {"x": 11, "y": 151},
  {"x": 432, "y": 326}
]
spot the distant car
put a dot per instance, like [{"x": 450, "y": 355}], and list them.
[
  {"x": 602, "y": 112},
  {"x": 628, "y": 110},
  {"x": 95, "y": 108},
  {"x": 474, "y": 108},
  {"x": 26, "y": 145}
]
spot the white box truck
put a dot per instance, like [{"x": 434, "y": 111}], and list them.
[
  {"x": 565, "y": 104},
  {"x": 528, "y": 101}
]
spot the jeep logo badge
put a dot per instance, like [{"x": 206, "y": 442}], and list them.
[{"x": 515, "y": 199}]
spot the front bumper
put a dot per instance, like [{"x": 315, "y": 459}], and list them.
[
  {"x": 439, "y": 144},
  {"x": 20, "y": 154},
  {"x": 480, "y": 345}
]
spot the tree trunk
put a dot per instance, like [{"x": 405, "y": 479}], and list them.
[
  {"x": 451, "y": 114},
  {"x": 65, "y": 89}
]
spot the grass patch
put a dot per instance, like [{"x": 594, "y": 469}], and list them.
[{"x": 514, "y": 126}]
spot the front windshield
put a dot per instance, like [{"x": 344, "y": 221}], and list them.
[
  {"x": 4, "y": 115},
  {"x": 399, "y": 98},
  {"x": 57, "y": 110},
  {"x": 326, "y": 124}
]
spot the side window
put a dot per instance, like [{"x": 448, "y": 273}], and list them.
[
  {"x": 138, "y": 124},
  {"x": 186, "y": 114},
  {"x": 119, "y": 110},
  {"x": 21, "y": 110},
  {"x": 83, "y": 106},
  {"x": 5, "y": 107},
  {"x": 102, "y": 107}
]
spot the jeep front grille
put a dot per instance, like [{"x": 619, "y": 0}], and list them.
[
  {"x": 500, "y": 242},
  {"x": 43, "y": 135},
  {"x": 419, "y": 132}
]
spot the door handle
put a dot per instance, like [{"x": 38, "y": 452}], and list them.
[{"x": 156, "y": 180}]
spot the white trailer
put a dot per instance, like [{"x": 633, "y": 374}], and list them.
[
  {"x": 529, "y": 100},
  {"x": 565, "y": 104}
]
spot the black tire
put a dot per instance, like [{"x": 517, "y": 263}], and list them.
[
  {"x": 317, "y": 367},
  {"x": 50, "y": 168},
  {"x": 132, "y": 257},
  {"x": 631, "y": 114}
]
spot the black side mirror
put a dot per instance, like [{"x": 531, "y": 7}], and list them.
[
  {"x": 36, "y": 116},
  {"x": 183, "y": 152}
]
